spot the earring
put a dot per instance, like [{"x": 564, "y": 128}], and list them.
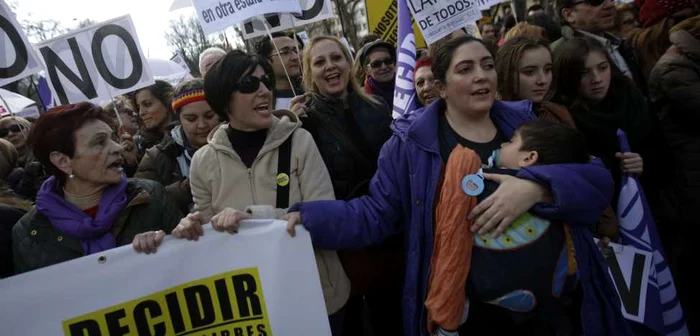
[{"x": 71, "y": 176}]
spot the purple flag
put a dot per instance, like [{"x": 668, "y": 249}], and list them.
[
  {"x": 663, "y": 312},
  {"x": 45, "y": 93},
  {"x": 405, "y": 91}
]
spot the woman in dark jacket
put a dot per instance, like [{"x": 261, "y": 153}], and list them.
[
  {"x": 601, "y": 101},
  {"x": 674, "y": 87},
  {"x": 349, "y": 128},
  {"x": 87, "y": 205},
  {"x": 12, "y": 206},
  {"x": 154, "y": 108},
  {"x": 169, "y": 161}
]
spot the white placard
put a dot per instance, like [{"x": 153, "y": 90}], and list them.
[
  {"x": 181, "y": 61},
  {"x": 96, "y": 63},
  {"x": 17, "y": 57},
  {"x": 629, "y": 269},
  {"x": 311, "y": 11},
  {"x": 438, "y": 19},
  {"x": 216, "y": 15},
  {"x": 260, "y": 281}
]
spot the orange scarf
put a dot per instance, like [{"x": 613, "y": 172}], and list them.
[{"x": 453, "y": 242}]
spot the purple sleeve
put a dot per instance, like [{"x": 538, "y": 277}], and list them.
[
  {"x": 581, "y": 191},
  {"x": 365, "y": 220}
]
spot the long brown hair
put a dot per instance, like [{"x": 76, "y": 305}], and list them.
[
  {"x": 508, "y": 65},
  {"x": 651, "y": 43},
  {"x": 308, "y": 81}
]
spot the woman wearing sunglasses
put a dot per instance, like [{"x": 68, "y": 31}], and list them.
[
  {"x": 233, "y": 176},
  {"x": 15, "y": 130},
  {"x": 169, "y": 161},
  {"x": 377, "y": 62},
  {"x": 350, "y": 127}
]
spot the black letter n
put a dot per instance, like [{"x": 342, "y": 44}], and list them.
[{"x": 54, "y": 62}]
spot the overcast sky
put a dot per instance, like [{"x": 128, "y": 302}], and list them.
[{"x": 150, "y": 17}]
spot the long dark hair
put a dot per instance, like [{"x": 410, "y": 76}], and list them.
[
  {"x": 224, "y": 77},
  {"x": 568, "y": 68}
]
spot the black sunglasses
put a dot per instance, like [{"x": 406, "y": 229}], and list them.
[
  {"x": 14, "y": 129},
  {"x": 250, "y": 84},
  {"x": 378, "y": 63},
  {"x": 594, "y": 3}
]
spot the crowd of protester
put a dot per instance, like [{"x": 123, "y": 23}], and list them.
[{"x": 400, "y": 248}]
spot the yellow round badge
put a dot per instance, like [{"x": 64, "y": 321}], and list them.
[{"x": 282, "y": 180}]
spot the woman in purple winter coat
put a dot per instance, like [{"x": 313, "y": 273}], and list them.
[{"x": 403, "y": 194}]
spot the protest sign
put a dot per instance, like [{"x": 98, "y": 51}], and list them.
[
  {"x": 216, "y": 15},
  {"x": 311, "y": 11},
  {"x": 260, "y": 282},
  {"x": 382, "y": 17},
  {"x": 177, "y": 58},
  {"x": 438, "y": 19},
  {"x": 17, "y": 57},
  {"x": 96, "y": 63},
  {"x": 629, "y": 269},
  {"x": 662, "y": 309},
  {"x": 405, "y": 99}
]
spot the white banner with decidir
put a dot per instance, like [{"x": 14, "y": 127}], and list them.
[
  {"x": 96, "y": 63},
  {"x": 258, "y": 282}
]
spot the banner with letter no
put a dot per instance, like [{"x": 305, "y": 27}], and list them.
[
  {"x": 311, "y": 11},
  {"x": 96, "y": 63},
  {"x": 17, "y": 57},
  {"x": 258, "y": 282}
]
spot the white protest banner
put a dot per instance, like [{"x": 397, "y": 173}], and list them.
[
  {"x": 311, "y": 11},
  {"x": 216, "y": 15},
  {"x": 181, "y": 61},
  {"x": 17, "y": 57},
  {"x": 629, "y": 269},
  {"x": 258, "y": 282},
  {"x": 96, "y": 63},
  {"x": 438, "y": 19},
  {"x": 304, "y": 36}
]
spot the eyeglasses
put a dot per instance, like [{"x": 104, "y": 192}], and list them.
[
  {"x": 594, "y": 3},
  {"x": 251, "y": 84},
  {"x": 284, "y": 52},
  {"x": 379, "y": 63},
  {"x": 14, "y": 129}
]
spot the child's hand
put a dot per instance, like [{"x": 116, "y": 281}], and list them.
[{"x": 631, "y": 163}]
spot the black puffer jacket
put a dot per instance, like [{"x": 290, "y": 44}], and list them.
[
  {"x": 367, "y": 127},
  {"x": 36, "y": 243},
  {"x": 378, "y": 267},
  {"x": 674, "y": 88},
  {"x": 160, "y": 164}
]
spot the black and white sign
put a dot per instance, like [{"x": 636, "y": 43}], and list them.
[
  {"x": 438, "y": 19},
  {"x": 17, "y": 57},
  {"x": 311, "y": 11},
  {"x": 217, "y": 15},
  {"x": 629, "y": 269},
  {"x": 96, "y": 63}
]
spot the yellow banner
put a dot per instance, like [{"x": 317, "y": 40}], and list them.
[
  {"x": 228, "y": 304},
  {"x": 383, "y": 19}
]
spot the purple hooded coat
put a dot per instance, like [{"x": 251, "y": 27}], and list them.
[{"x": 402, "y": 195}]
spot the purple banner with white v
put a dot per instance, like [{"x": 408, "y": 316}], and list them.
[
  {"x": 663, "y": 312},
  {"x": 405, "y": 91}
]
